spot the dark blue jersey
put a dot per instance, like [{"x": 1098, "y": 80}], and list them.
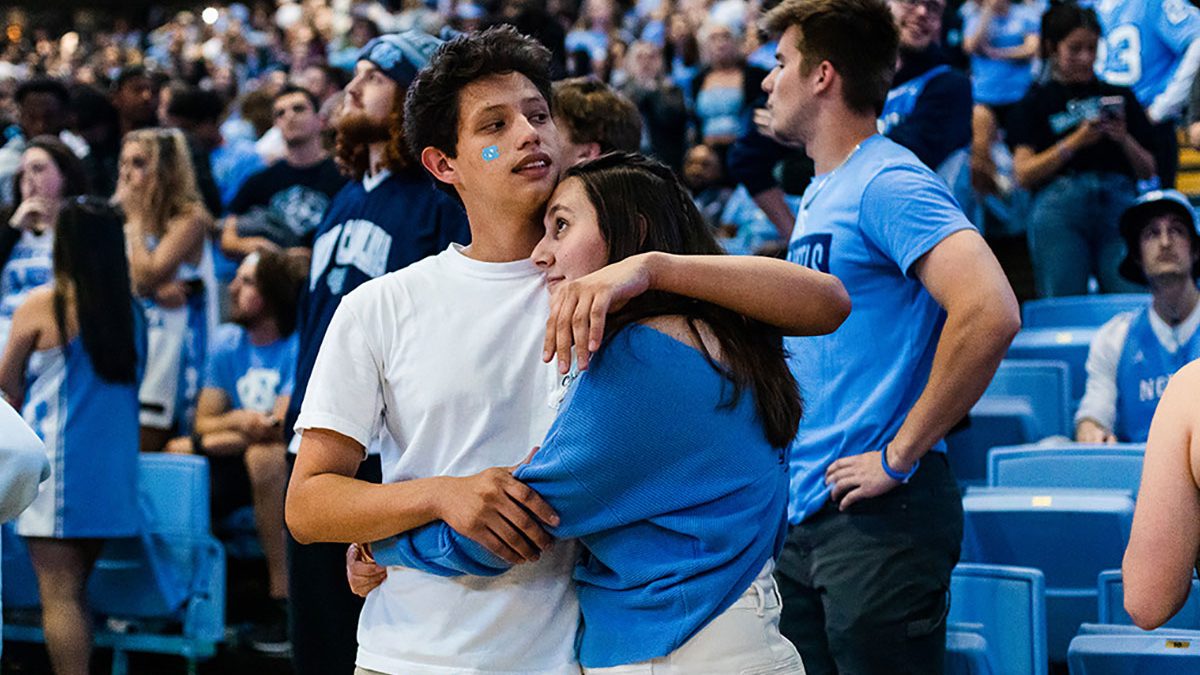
[{"x": 372, "y": 227}]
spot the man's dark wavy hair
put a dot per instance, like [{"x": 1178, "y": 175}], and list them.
[{"x": 431, "y": 111}]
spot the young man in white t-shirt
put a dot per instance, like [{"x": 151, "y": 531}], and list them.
[{"x": 447, "y": 357}]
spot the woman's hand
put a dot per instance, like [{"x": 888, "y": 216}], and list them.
[
  {"x": 1085, "y": 135},
  {"x": 1115, "y": 128},
  {"x": 579, "y": 308},
  {"x": 363, "y": 573},
  {"x": 35, "y": 214}
]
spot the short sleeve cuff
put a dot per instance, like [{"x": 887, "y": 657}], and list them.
[{"x": 321, "y": 420}]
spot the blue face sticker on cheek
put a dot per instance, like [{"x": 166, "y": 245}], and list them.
[{"x": 491, "y": 152}]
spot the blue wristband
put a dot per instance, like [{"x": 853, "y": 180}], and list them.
[{"x": 893, "y": 474}]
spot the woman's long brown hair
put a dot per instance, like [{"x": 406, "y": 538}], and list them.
[{"x": 642, "y": 206}]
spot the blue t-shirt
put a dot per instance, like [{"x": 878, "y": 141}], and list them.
[
  {"x": 1143, "y": 42},
  {"x": 251, "y": 375},
  {"x": 866, "y": 223},
  {"x": 366, "y": 233},
  {"x": 1001, "y": 81},
  {"x": 232, "y": 163}
]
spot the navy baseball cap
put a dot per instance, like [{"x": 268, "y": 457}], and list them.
[
  {"x": 400, "y": 55},
  {"x": 1138, "y": 214}
]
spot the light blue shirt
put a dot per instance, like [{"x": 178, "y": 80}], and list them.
[
  {"x": 1001, "y": 81},
  {"x": 251, "y": 375},
  {"x": 1144, "y": 41},
  {"x": 866, "y": 222}
]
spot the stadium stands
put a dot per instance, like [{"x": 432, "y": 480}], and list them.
[
  {"x": 997, "y": 621},
  {"x": 1071, "y": 535}
]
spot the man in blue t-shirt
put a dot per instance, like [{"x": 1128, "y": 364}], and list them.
[
  {"x": 927, "y": 110},
  {"x": 388, "y": 217},
  {"x": 876, "y": 513},
  {"x": 1152, "y": 47},
  {"x": 1134, "y": 355},
  {"x": 248, "y": 378}
]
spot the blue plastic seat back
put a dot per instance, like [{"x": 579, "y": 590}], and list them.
[
  {"x": 1120, "y": 629},
  {"x": 966, "y": 653},
  {"x": 1080, "y": 310},
  {"x": 1047, "y": 386},
  {"x": 1146, "y": 654},
  {"x": 152, "y": 575},
  {"x": 1069, "y": 345},
  {"x": 1071, "y": 535},
  {"x": 1067, "y": 465},
  {"x": 995, "y": 420},
  {"x": 1006, "y": 606},
  {"x": 1112, "y": 604}
]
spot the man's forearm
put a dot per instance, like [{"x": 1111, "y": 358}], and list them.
[
  {"x": 970, "y": 350},
  {"x": 330, "y": 507},
  {"x": 224, "y": 443},
  {"x": 214, "y": 424},
  {"x": 795, "y": 299}
]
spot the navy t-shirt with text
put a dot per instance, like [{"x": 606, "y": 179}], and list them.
[{"x": 378, "y": 225}]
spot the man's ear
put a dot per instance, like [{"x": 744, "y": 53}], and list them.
[
  {"x": 589, "y": 151},
  {"x": 822, "y": 77},
  {"x": 440, "y": 165}
]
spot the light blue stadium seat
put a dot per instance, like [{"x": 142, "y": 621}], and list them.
[
  {"x": 1155, "y": 653},
  {"x": 1067, "y": 465},
  {"x": 1046, "y": 384},
  {"x": 966, "y": 652},
  {"x": 1112, "y": 604},
  {"x": 1080, "y": 310},
  {"x": 1069, "y": 345},
  {"x": 1025, "y": 402},
  {"x": 1000, "y": 611},
  {"x": 995, "y": 420},
  {"x": 172, "y": 576},
  {"x": 1071, "y": 535}
]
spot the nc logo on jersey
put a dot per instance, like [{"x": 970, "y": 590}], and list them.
[
  {"x": 299, "y": 208},
  {"x": 812, "y": 251},
  {"x": 1152, "y": 388},
  {"x": 1176, "y": 11},
  {"x": 257, "y": 389}
]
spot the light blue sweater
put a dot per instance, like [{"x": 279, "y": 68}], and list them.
[{"x": 677, "y": 499}]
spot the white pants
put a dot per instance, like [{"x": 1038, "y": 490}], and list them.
[{"x": 743, "y": 640}]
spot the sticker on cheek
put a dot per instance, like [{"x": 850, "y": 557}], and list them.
[{"x": 491, "y": 152}]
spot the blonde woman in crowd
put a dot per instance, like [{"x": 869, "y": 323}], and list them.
[{"x": 171, "y": 270}]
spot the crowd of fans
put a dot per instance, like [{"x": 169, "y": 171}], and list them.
[{"x": 217, "y": 139}]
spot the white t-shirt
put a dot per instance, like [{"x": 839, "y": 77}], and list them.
[{"x": 445, "y": 356}]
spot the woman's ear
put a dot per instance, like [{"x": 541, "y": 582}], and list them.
[{"x": 643, "y": 227}]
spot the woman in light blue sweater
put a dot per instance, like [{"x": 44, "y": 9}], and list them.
[{"x": 668, "y": 457}]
